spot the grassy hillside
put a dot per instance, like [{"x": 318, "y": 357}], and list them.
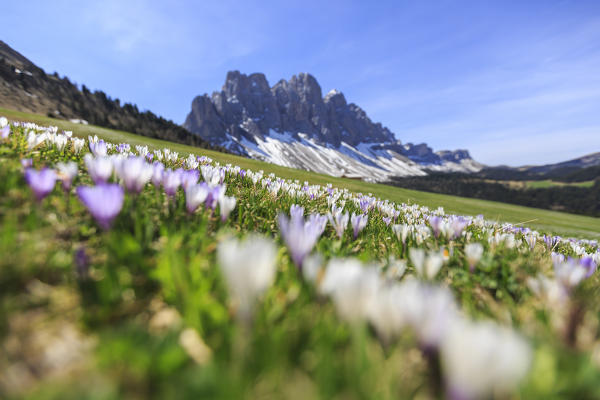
[
  {"x": 543, "y": 220},
  {"x": 180, "y": 279}
]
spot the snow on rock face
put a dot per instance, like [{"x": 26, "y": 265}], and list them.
[
  {"x": 302, "y": 152},
  {"x": 292, "y": 124}
]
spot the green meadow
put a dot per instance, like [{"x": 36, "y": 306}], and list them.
[{"x": 542, "y": 220}]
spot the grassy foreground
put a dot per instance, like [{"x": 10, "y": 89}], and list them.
[
  {"x": 155, "y": 292},
  {"x": 543, "y": 220}
]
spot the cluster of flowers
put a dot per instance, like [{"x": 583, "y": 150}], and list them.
[
  {"x": 497, "y": 356},
  {"x": 105, "y": 200},
  {"x": 478, "y": 358},
  {"x": 417, "y": 223}
]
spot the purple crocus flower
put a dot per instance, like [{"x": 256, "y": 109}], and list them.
[
  {"x": 436, "y": 225},
  {"x": 300, "y": 237},
  {"x": 99, "y": 148},
  {"x": 387, "y": 220},
  {"x": 551, "y": 241},
  {"x": 41, "y": 182},
  {"x": 82, "y": 263},
  {"x": 214, "y": 194},
  {"x": 189, "y": 178},
  {"x": 4, "y": 132},
  {"x": 157, "y": 173},
  {"x": 358, "y": 221},
  {"x": 365, "y": 204},
  {"x": 318, "y": 221},
  {"x": 242, "y": 173},
  {"x": 26, "y": 163},
  {"x": 589, "y": 264},
  {"x": 457, "y": 226},
  {"x": 171, "y": 180},
  {"x": 150, "y": 157},
  {"x": 103, "y": 201},
  {"x": 296, "y": 211}
]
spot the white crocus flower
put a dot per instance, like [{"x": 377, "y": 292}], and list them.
[
  {"x": 226, "y": 205},
  {"x": 480, "y": 359},
  {"x": 249, "y": 270},
  {"x": 66, "y": 172},
  {"x": 339, "y": 221},
  {"x": 427, "y": 266},
  {"x": 77, "y": 144},
  {"x": 473, "y": 253},
  {"x": 352, "y": 287},
  {"x": 135, "y": 173},
  {"x": 429, "y": 310},
  {"x": 402, "y": 231},
  {"x": 99, "y": 168}
]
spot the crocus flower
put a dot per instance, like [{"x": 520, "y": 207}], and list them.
[
  {"x": 481, "y": 359},
  {"x": 318, "y": 221},
  {"x": 4, "y": 132},
  {"x": 300, "y": 237},
  {"x": 67, "y": 171},
  {"x": 226, "y": 205},
  {"x": 551, "y": 241},
  {"x": 402, "y": 231},
  {"x": 157, "y": 173},
  {"x": 26, "y": 162},
  {"x": 352, "y": 287},
  {"x": 214, "y": 194},
  {"x": 570, "y": 272},
  {"x": 473, "y": 253},
  {"x": 437, "y": 225},
  {"x": 98, "y": 148},
  {"x": 189, "y": 177},
  {"x": 249, "y": 270},
  {"x": 99, "y": 168},
  {"x": 195, "y": 195},
  {"x": 171, "y": 180},
  {"x": 387, "y": 220},
  {"x": 359, "y": 222},
  {"x": 429, "y": 310},
  {"x": 103, "y": 201},
  {"x": 77, "y": 144},
  {"x": 531, "y": 240},
  {"x": 41, "y": 182},
  {"x": 296, "y": 211},
  {"x": 457, "y": 226},
  {"x": 427, "y": 266},
  {"x": 589, "y": 264},
  {"x": 3, "y": 122},
  {"x": 135, "y": 172},
  {"x": 339, "y": 222}
]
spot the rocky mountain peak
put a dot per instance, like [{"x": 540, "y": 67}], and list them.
[{"x": 248, "y": 112}]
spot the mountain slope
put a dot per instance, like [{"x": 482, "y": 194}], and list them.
[
  {"x": 26, "y": 87},
  {"x": 292, "y": 124}
]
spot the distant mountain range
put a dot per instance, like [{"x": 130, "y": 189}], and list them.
[
  {"x": 575, "y": 170},
  {"x": 26, "y": 87},
  {"x": 292, "y": 124}
]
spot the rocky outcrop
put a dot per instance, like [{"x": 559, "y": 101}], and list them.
[{"x": 247, "y": 113}]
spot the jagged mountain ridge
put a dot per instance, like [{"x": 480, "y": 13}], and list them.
[{"x": 293, "y": 124}]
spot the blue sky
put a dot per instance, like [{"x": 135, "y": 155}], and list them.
[{"x": 515, "y": 82}]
